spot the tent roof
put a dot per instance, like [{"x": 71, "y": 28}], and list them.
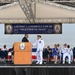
[
  {"x": 50, "y": 11},
  {"x": 42, "y": 11},
  {"x": 12, "y": 12}
]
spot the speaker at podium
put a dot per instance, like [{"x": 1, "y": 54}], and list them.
[{"x": 22, "y": 53}]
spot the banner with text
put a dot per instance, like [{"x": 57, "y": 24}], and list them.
[{"x": 53, "y": 28}]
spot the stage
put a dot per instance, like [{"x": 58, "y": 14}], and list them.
[
  {"x": 34, "y": 65},
  {"x": 33, "y": 69}
]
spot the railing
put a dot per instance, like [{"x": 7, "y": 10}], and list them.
[
  {"x": 38, "y": 20},
  {"x": 57, "y": 0},
  {"x": 26, "y": 6},
  {"x": 7, "y": 1}
]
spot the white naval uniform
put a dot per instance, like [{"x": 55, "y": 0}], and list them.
[
  {"x": 71, "y": 53},
  {"x": 66, "y": 53},
  {"x": 4, "y": 49},
  {"x": 39, "y": 53}
]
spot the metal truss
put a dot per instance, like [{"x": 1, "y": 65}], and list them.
[
  {"x": 7, "y": 1},
  {"x": 55, "y": 20},
  {"x": 63, "y": 0},
  {"x": 26, "y": 6},
  {"x": 57, "y": 0},
  {"x": 29, "y": 8},
  {"x": 13, "y": 20},
  {"x": 39, "y": 20}
]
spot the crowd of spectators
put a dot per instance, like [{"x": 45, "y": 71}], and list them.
[
  {"x": 65, "y": 54},
  {"x": 57, "y": 54},
  {"x": 6, "y": 54}
]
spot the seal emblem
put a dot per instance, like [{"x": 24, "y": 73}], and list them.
[
  {"x": 22, "y": 46},
  {"x": 57, "y": 28},
  {"x": 9, "y": 29}
]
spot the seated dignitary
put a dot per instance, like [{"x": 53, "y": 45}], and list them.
[
  {"x": 47, "y": 54},
  {"x": 55, "y": 54},
  {"x": 4, "y": 53},
  {"x": 66, "y": 53},
  {"x": 70, "y": 52},
  {"x": 73, "y": 52},
  {"x": 59, "y": 49}
]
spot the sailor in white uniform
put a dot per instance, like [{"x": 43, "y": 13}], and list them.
[
  {"x": 70, "y": 51},
  {"x": 66, "y": 53},
  {"x": 39, "y": 53}
]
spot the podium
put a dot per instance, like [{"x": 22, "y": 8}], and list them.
[{"x": 22, "y": 53}]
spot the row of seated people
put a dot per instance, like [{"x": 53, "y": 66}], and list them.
[
  {"x": 57, "y": 52},
  {"x": 5, "y": 54},
  {"x": 48, "y": 53}
]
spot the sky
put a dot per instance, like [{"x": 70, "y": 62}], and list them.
[{"x": 67, "y": 36}]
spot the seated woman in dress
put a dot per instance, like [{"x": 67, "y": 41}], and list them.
[
  {"x": 55, "y": 54},
  {"x": 47, "y": 54}
]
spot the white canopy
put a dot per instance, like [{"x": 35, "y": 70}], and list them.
[{"x": 42, "y": 11}]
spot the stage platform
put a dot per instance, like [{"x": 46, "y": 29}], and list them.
[
  {"x": 34, "y": 65},
  {"x": 33, "y": 69}
]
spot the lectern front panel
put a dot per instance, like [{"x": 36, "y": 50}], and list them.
[
  {"x": 18, "y": 46},
  {"x": 22, "y": 53}
]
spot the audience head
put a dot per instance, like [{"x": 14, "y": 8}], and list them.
[
  {"x": 4, "y": 46},
  {"x": 65, "y": 45},
  {"x": 48, "y": 47},
  {"x": 58, "y": 45},
  {"x": 68, "y": 46},
  {"x": 55, "y": 45}
]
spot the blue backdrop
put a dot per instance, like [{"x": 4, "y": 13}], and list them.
[{"x": 33, "y": 28}]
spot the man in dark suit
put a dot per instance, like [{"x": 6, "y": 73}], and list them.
[
  {"x": 25, "y": 38},
  {"x": 23, "y": 71}
]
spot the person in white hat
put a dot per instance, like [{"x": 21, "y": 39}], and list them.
[
  {"x": 39, "y": 53},
  {"x": 66, "y": 53}
]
